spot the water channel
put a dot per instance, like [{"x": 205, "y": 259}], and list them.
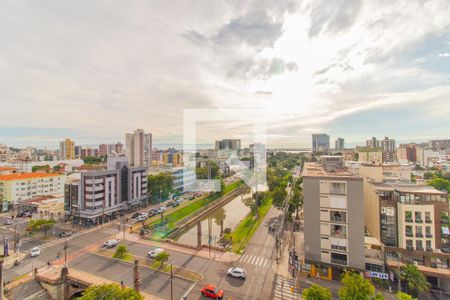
[{"x": 227, "y": 216}]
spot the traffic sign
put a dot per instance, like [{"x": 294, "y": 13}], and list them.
[{"x": 377, "y": 275}]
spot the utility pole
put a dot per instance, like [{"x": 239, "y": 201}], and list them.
[
  {"x": 398, "y": 273},
  {"x": 171, "y": 280},
  {"x": 1, "y": 279},
  {"x": 65, "y": 251},
  {"x": 103, "y": 213},
  {"x": 209, "y": 236}
]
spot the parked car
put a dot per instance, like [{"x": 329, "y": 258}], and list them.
[
  {"x": 162, "y": 209},
  {"x": 144, "y": 215},
  {"x": 179, "y": 200},
  {"x": 110, "y": 243},
  {"x": 65, "y": 234},
  {"x": 237, "y": 273},
  {"x": 171, "y": 203},
  {"x": 140, "y": 218},
  {"x": 35, "y": 251},
  {"x": 192, "y": 197},
  {"x": 135, "y": 215},
  {"x": 153, "y": 210},
  {"x": 27, "y": 214},
  {"x": 153, "y": 253},
  {"x": 151, "y": 214},
  {"x": 212, "y": 291},
  {"x": 8, "y": 222}
]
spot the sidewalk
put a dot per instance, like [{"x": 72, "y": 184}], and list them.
[{"x": 204, "y": 252}]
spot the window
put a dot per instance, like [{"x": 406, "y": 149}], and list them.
[
  {"x": 408, "y": 216},
  {"x": 419, "y": 245},
  {"x": 428, "y": 232},
  {"x": 338, "y": 216},
  {"x": 408, "y": 231},
  {"x": 418, "y": 217},
  {"x": 409, "y": 245},
  {"x": 419, "y": 231},
  {"x": 337, "y": 188},
  {"x": 428, "y": 217},
  {"x": 338, "y": 230},
  {"x": 339, "y": 259},
  {"x": 428, "y": 244}
]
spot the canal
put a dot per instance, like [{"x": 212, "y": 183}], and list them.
[{"x": 225, "y": 217}]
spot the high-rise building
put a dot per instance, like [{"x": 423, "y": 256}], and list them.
[
  {"x": 339, "y": 144},
  {"x": 373, "y": 143},
  {"x": 230, "y": 144},
  {"x": 139, "y": 147},
  {"x": 439, "y": 144},
  {"x": 103, "y": 194},
  {"x": 388, "y": 146},
  {"x": 407, "y": 152},
  {"x": 78, "y": 151},
  {"x": 333, "y": 218},
  {"x": 103, "y": 149},
  {"x": 67, "y": 149},
  {"x": 320, "y": 142}
]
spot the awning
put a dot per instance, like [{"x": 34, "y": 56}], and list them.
[{"x": 445, "y": 231}]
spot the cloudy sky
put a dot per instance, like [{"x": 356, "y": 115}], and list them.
[{"x": 93, "y": 70}]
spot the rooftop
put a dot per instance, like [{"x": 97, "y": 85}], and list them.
[
  {"x": 408, "y": 188},
  {"x": 7, "y": 169},
  {"x": 25, "y": 176},
  {"x": 316, "y": 170}
]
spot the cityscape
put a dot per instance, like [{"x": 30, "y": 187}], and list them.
[{"x": 231, "y": 150}]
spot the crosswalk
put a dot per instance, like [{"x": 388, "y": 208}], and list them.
[
  {"x": 256, "y": 261},
  {"x": 284, "y": 289},
  {"x": 59, "y": 241}
]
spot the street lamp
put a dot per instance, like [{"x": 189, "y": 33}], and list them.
[{"x": 399, "y": 255}]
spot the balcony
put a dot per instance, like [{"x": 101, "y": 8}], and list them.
[
  {"x": 444, "y": 220},
  {"x": 409, "y": 234},
  {"x": 419, "y": 220},
  {"x": 408, "y": 220},
  {"x": 429, "y": 249},
  {"x": 429, "y": 235},
  {"x": 339, "y": 261},
  {"x": 419, "y": 234},
  {"x": 428, "y": 220},
  {"x": 419, "y": 248},
  {"x": 409, "y": 247},
  {"x": 338, "y": 219}
]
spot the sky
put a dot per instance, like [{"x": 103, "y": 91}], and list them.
[{"x": 93, "y": 70}]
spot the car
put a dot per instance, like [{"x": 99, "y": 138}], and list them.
[
  {"x": 140, "y": 218},
  {"x": 27, "y": 214},
  {"x": 153, "y": 210},
  {"x": 237, "y": 273},
  {"x": 153, "y": 253},
  {"x": 65, "y": 234},
  {"x": 170, "y": 204},
  {"x": 179, "y": 200},
  {"x": 212, "y": 291},
  {"x": 135, "y": 215},
  {"x": 144, "y": 215},
  {"x": 35, "y": 251},
  {"x": 110, "y": 243},
  {"x": 8, "y": 222},
  {"x": 151, "y": 213},
  {"x": 162, "y": 209}
]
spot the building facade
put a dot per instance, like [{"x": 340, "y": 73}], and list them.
[
  {"x": 67, "y": 149},
  {"x": 388, "y": 146},
  {"x": 370, "y": 155},
  {"x": 339, "y": 143},
  {"x": 373, "y": 143},
  {"x": 102, "y": 195},
  {"x": 333, "y": 218},
  {"x": 139, "y": 148},
  {"x": 320, "y": 142},
  {"x": 230, "y": 144},
  {"x": 20, "y": 186}
]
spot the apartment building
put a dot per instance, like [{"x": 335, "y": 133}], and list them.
[
  {"x": 231, "y": 144},
  {"x": 388, "y": 146},
  {"x": 333, "y": 218},
  {"x": 105, "y": 193},
  {"x": 339, "y": 143},
  {"x": 67, "y": 149},
  {"x": 139, "y": 148},
  {"x": 20, "y": 186},
  {"x": 370, "y": 155}
]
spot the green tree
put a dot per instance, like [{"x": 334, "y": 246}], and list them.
[
  {"x": 121, "y": 252},
  {"x": 111, "y": 291},
  {"x": 202, "y": 172},
  {"x": 41, "y": 224},
  {"x": 440, "y": 184},
  {"x": 44, "y": 168},
  {"x": 57, "y": 168},
  {"x": 316, "y": 292},
  {"x": 296, "y": 201},
  {"x": 162, "y": 257},
  {"x": 278, "y": 196},
  {"x": 416, "y": 282},
  {"x": 356, "y": 287},
  {"x": 90, "y": 160},
  {"x": 403, "y": 296},
  {"x": 160, "y": 182}
]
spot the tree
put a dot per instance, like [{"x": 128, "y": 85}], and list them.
[
  {"x": 356, "y": 287},
  {"x": 416, "y": 282},
  {"x": 440, "y": 184},
  {"x": 41, "y": 224},
  {"x": 160, "y": 182},
  {"x": 278, "y": 196},
  {"x": 111, "y": 291},
  {"x": 219, "y": 217},
  {"x": 202, "y": 172},
  {"x": 316, "y": 292},
  {"x": 44, "y": 168},
  {"x": 162, "y": 257},
  {"x": 89, "y": 160},
  {"x": 121, "y": 252},
  {"x": 296, "y": 201},
  {"x": 403, "y": 296}
]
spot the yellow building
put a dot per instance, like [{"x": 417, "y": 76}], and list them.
[
  {"x": 370, "y": 155},
  {"x": 67, "y": 149},
  {"x": 45, "y": 207}
]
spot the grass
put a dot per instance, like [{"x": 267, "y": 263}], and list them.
[
  {"x": 189, "y": 209},
  {"x": 247, "y": 227},
  {"x": 156, "y": 265}
]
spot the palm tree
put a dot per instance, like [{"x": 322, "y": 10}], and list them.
[{"x": 415, "y": 280}]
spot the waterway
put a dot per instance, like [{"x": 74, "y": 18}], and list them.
[{"x": 227, "y": 216}]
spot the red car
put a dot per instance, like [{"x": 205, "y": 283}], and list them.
[{"x": 212, "y": 291}]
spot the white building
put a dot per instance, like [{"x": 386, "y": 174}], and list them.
[{"x": 139, "y": 148}]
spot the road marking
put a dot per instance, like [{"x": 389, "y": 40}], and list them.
[
  {"x": 265, "y": 262},
  {"x": 260, "y": 260},
  {"x": 253, "y": 259},
  {"x": 242, "y": 257}
]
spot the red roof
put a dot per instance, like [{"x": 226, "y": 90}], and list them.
[
  {"x": 7, "y": 169},
  {"x": 24, "y": 176}
]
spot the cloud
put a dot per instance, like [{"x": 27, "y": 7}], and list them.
[{"x": 444, "y": 55}]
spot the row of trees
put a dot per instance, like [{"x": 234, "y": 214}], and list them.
[
  {"x": 356, "y": 287},
  {"x": 40, "y": 225},
  {"x": 160, "y": 185},
  {"x": 438, "y": 180}
]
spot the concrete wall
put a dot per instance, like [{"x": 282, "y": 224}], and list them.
[
  {"x": 355, "y": 200},
  {"x": 311, "y": 207}
]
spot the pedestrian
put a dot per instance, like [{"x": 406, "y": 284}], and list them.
[{"x": 122, "y": 285}]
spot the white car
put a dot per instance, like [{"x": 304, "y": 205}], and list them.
[
  {"x": 35, "y": 251},
  {"x": 8, "y": 222},
  {"x": 110, "y": 243},
  {"x": 144, "y": 215},
  {"x": 162, "y": 209},
  {"x": 237, "y": 273},
  {"x": 140, "y": 218},
  {"x": 155, "y": 252}
]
